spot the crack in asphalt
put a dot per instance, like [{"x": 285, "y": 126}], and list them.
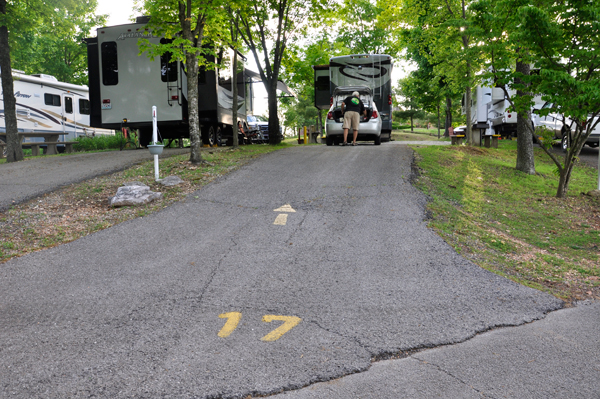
[{"x": 452, "y": 376}]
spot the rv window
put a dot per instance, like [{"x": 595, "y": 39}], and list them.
[
  {"x": 168, "y": 68},
  {"x": 84, "y": 106},
  {"x": 52, "y": 99},
  {"x": 110, "y": 65},
  {"x": 69, "y": 105},
  {"x": 322, "y": 83}
]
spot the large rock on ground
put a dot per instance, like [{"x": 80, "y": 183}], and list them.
[
  {"x": 134, "y": 195},
  {"x": 171, "y": 181}
]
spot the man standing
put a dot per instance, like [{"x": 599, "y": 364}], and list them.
[{"x": 353, "y": 108}]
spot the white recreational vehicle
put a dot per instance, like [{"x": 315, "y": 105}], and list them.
[
  {"x": 490, "y": 111},
  {"x": 45, "y": 105},
  {"x": 371, "y": 70},
  {"x": 124, "y": 85}
]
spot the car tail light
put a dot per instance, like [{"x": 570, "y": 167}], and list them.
[
  {"x": 509, "y": 115},
  {"x": 174, "y": 98},
  {"x": 330, "y": 101},
  {"x": 330, "y": 115},
  {"x": 390, "y": 99},
  {"x": 374, "y": 114}
]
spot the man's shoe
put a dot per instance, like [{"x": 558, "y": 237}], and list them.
[{"x": 344, "y": 143}]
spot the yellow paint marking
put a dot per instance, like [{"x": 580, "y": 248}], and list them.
[
  {"x": 289, "y": 322},
  {"x": 281, "y": 219},
  {"x": 233, "y": 318},
  {"x": 286, "y": 208}
]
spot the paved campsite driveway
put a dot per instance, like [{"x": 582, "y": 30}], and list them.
[
  {"x": 300, "y": 267},
  {"x": 33, "y": 177}
]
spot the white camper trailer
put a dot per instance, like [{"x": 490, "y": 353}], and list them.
[
  {"x": 124, "y": 85},
  {"x": 371, "y": 70},
  {"x": 490, "y": 111},
  {"x": 45, "y": 105}
]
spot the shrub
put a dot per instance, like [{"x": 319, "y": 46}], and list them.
[{"x": 100, "y": 142}]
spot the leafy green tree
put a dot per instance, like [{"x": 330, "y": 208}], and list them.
[
  {"x": 267, "y": 28},
  {"x": 187, "y": 23},
  {"x": 298, "y": 73},
  {"x": 508, "y": 65},
  {"x": 445, "y": 30},
  {"x": 19, "y": 18},
  {"x": 408, "y": 92},
  {"x": 54, "y": 45},
  {"x": 362, "y": 32},
  {"x": 562, "y": 41}
]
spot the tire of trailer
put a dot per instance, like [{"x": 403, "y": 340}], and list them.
[
  {"x": 218, "y": 136},
  {"x": 208, "y": 134}
]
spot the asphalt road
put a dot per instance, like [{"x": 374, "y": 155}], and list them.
[
  {"x": 33, "y": 177},
  {"x": 219, "y": 296}
]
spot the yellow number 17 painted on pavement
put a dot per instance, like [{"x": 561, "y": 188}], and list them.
[{"x": 233, "y": 319}]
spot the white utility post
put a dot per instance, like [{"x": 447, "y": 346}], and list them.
[
  {"x": 154, "y": 140},
  {"x": 599, "y": 167}
]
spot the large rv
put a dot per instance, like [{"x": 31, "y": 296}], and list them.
[
  {"x": 371, "y": 70},
  {"x": 124, "y": 85},
  {"x": 45, "y": 105}
]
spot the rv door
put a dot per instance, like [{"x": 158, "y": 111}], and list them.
[{"x": 69, "y": 122}]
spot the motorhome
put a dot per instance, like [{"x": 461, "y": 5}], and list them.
[
  {"x": 45, "y": 105},
  {"x": 125, "y": 84},
  {"x": 371, "y": 70}
]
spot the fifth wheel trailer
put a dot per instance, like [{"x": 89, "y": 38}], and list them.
[
  {"x": 371, "y": 70},
  {"x": 46, "y": 105},
  {"x": 124, "y": 85}
]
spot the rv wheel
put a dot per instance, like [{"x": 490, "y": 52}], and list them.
[
  {"x": 218, "y": 136},
  {"x": 208, "y": 135}
]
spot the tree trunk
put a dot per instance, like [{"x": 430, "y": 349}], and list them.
[
  {"x": 448, "y": 116},
  {"x": 525, "y": 158},
  {"x": 411, "y": 124},
  {"x": 563, "y": 181},
  {"x": 14, "y": 149},
  {"x": 438, "y": 117},
  {"x": 191, "y": 61},
  {"x": 234, "y": 93},
  {"x": 273, "y": 117},
  {"x": 469, "y": 131}
]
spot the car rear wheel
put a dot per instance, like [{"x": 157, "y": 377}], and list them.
[
  {"x": 377, "y": 140},
  {"x": 329, "y": 140}
]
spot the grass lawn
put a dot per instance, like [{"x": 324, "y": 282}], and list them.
[
  {"x": 511, "y": 223},
  {"x": 418, "y": 134}
]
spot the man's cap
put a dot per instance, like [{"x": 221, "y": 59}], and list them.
[{"x": 355, "y": 94}]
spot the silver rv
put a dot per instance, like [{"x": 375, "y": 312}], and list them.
[
  {"x": 124, "y": 85},
  {"x": 371, "y": 70}
]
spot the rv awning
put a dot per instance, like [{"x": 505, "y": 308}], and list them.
[{"x": 255, "y": 76}]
